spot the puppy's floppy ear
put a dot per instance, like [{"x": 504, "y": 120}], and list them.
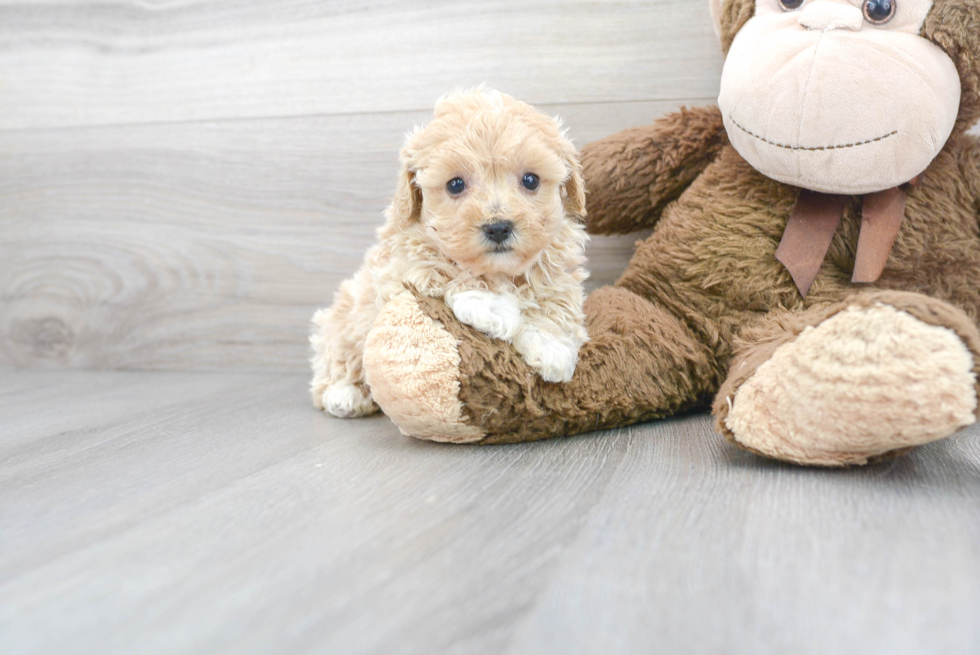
[
  {"x": 406, "y": 206},
  {"x": 573, "y": 188}
]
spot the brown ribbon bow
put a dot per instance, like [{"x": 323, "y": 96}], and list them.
[{"x": 816, "y": 216}]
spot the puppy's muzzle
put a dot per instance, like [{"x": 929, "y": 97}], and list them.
[{"x": 498, "y": 232}]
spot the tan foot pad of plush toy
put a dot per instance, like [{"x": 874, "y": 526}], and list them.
[
  {"x": 418, "y": 365},
  {"x": 866, "y": 379}
]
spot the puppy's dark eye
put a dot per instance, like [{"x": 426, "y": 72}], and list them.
[
  {"x": 455, "y": 186},
  {"x": 530, "y": 181},
  {"x": 879, "y": 12},
  {"x": 790, "y": 5}
]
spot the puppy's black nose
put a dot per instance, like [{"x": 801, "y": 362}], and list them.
[{"x": 498, "y": 232}]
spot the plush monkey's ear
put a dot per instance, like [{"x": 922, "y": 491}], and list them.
[
  {"x": 406, "y": 206},
  {"x": 573, "y": 186},
  {"x": 714, "y": 6},
  {"x": 953, "y": 26},
  {"x": 729, "y": 17}
]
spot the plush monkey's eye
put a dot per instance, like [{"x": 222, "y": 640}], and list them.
[
  {"x": 455, "y": 186},
  {"x": 790, "y": 5},
  {"x": 879, "y": 12},
  {"x": 530, "y": 181}
]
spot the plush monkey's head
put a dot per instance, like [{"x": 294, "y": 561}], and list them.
[{"x": 847, "y": 96}]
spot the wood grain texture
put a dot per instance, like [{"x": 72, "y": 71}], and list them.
[
  {"x": 205, "y": 245},
  {"x": 219, "y": 513},
  {"x": 93, "y": 63}
]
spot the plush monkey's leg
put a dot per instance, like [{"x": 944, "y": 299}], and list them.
[
  {"x": 880, "y": 373},
  {"x": 438, "y": 379}
]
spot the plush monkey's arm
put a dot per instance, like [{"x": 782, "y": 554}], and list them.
[{"x": 632, "y": 175}]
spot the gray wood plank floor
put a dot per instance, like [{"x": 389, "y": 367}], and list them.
[{"x": 219, "y": 513}]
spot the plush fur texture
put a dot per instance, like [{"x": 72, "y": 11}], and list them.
[
  {"x": 704, "y": 307},
  {"x": 644, "y": 169},
  {"x": 524, "y": 287}
]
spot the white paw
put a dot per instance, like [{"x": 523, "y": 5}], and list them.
[
  {"x": 347, "y": 401},
  {"x": 554, "y": 357},
  {"x": 496, "y": 315}
]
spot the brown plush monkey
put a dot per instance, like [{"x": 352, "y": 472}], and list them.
[{"x": 814, "y": 265}]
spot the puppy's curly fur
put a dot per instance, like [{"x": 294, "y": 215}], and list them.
[{"x": 488, "y": 215}]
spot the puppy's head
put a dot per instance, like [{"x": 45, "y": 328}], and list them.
[{"x": 490, "y": 180}]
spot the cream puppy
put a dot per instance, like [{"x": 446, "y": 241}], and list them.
[{"x": 487, "y": 215}]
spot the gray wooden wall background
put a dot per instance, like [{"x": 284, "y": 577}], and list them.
[{"x": 183, "y": 183}]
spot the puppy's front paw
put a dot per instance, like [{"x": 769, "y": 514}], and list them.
[
  {"x": 496, "y": 315},
  {"x": 554, "y": 357},
  {"x": 347, "y": 401}
]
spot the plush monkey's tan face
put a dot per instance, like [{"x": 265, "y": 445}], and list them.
[{"x": 820, "y": 95}]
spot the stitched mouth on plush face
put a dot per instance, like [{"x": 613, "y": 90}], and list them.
[{"x": 842, "y": 146}]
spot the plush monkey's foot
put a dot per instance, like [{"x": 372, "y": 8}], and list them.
[
  {"x": 882, "y": 373},
  {"x": 412, "y": 366}
]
